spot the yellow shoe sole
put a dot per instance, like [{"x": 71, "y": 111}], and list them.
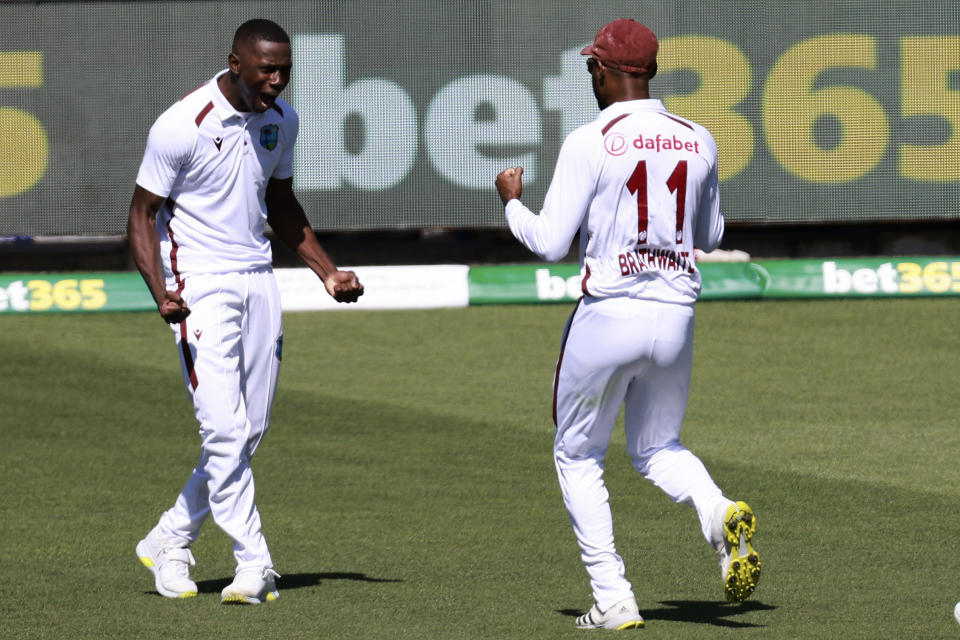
[
  {"x": 633, "y": 624},
  {"x": 739, "y": 525}
]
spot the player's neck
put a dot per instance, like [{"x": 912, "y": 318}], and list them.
[
  {"x": 632, "y": 91},
  {"x": 622, "y": 88},
  {"x": 229, "y": 87}
]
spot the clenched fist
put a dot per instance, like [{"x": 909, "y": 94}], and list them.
[{"x": 510, "y": 184}]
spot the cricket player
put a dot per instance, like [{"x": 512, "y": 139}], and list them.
[
  {"x": 641, "y": 186},
  {"x": 218, "y": 165}
]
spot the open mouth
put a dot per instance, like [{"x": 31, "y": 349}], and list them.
[{"x": 268, "y": 99}]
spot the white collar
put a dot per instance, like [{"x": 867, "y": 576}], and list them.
[
  {"x": 629, "y": 106},
  {"x": 224, "y": 109}
]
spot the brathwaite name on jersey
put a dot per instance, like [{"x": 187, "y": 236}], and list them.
[{"x": 644, "y": 258}]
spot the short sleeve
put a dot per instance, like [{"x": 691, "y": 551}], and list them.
[
  {"x": 168, "y": 147},
  {"x": 291, "y": 126}
]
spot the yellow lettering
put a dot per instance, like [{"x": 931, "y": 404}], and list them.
[
  {"x": 66, "y": 295},
  {"x": 23, "y": 139},
  {"x": 936, "y": 278},
  {"x": 925, "y": 66},
  {"x": 93, "y": 294},
  {"x": 41, "y": 295},
  {"x": 792, "y": 107},
  {"x": 911, "y": 277},
  {"x": 21, "y": 69},
  {"x": 725, "y": 81}
]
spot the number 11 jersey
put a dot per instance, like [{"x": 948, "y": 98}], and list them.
[{"x": 641, "y": 185}]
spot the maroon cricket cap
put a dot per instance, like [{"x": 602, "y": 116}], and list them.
[{"x": 624, "y": 44}]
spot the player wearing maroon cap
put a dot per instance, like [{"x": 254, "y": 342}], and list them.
[
  {"x": 641, "y": 186},
  {"x": 218, "y": 165}
]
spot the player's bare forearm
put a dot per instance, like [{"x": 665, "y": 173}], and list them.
[
  {"x": 312, "y": 253},
  {"x": 289, "y": 222},
  {"x": 141, "y": 249},
  {"x": 145, "y": 250},
  {"x": 343, "y": 286}
]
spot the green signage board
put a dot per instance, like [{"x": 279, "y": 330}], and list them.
[
  {"x": 538, "y": 283},
  {"x": 888, "y": 277},
  {"x": 45, "y": 293}
]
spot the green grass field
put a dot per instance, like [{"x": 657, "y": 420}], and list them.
[{"x": 407, "y": 486}]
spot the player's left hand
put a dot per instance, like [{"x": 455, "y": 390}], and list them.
[
  {"x": 510, "y": 184},
  {"x": 343, "y": 286}
]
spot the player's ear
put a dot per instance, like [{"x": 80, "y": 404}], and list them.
[
  {"x": 233, "y": 61},
  {"x": 602, "y": 70}
]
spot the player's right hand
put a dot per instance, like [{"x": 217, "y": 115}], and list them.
[
  {"x": 173, "y": 308},
  {"x": 510, "y": 184}
]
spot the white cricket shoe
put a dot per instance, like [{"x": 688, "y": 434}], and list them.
[
  {"x": 170, "y": 566},
  {"x": 956, "y": 613},
  {"x": 623, "y": 615},
  {"x": 251, "y": 586},
  {"x": 733, "y": 528}
]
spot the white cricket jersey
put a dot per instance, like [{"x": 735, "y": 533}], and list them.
[
  {"x": 641, "y": 185},
  {"x": 213, "y": 163}
]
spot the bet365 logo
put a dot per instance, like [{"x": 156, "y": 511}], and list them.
[
  {"x": 934, "y": 277},
  {"x": 553, "y": 287},
  {"x": 68, "y": 294}
]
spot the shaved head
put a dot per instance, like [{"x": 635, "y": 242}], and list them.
[
  {"x": 258, "y": 29},
  {"x": 260, "y": 65}
]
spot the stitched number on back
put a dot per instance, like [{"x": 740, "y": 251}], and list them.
[
  {"x": 638, "y": 184},
  {"x": 677, "y": 183}
]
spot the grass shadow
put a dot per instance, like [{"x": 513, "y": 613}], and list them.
[
  {"x": 295, "y": 580},
  {"x": 698, "y": 611}
]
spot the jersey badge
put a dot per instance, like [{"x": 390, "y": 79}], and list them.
[
  {"x": 269, "y": 135},
  {"x": 218, "y": 141},
  {"x": 615, "y": 144}
]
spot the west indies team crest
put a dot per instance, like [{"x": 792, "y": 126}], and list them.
[{"x": 269, "y": 135}]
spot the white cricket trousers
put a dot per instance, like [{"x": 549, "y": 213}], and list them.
[
  {"x": 636, "y": 353},
  {"x": 230, "y": 350}
]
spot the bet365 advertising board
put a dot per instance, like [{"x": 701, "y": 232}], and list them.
[
  {"x": 769, "y": 279},
  {"x": 431, "y": 286},
  {"x": 822, "y": 111}
]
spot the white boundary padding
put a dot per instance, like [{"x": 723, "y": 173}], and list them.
[
  {"x": 722, "y": 255},
  {"x": 403, "y": 287}
]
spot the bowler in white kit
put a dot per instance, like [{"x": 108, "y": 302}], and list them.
[
  {"x": 218, "y": 165},
  {"x": 640, "y": 184}
]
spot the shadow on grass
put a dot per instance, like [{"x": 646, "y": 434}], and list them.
[
  {"x": 700, "y": 611},
  {"x": 294, "y": 580}
]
